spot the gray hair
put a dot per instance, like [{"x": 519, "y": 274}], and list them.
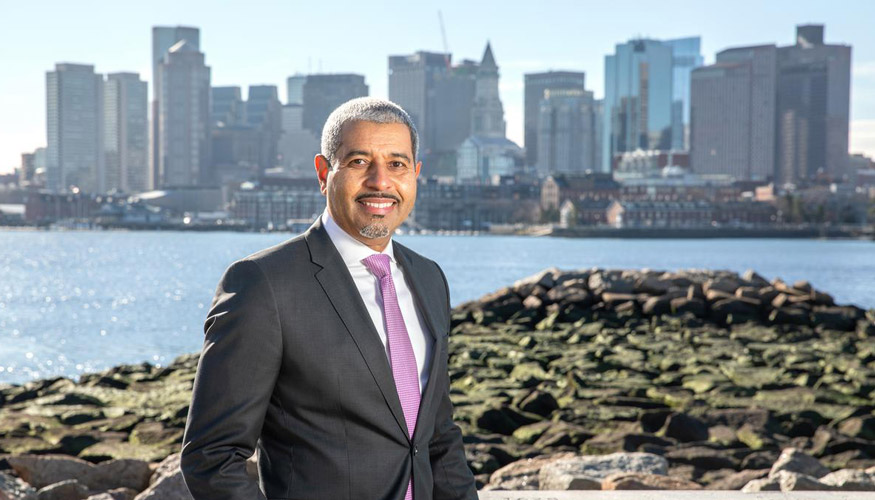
[{"x": 364, "y": 109}]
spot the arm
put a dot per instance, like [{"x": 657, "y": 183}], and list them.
[
  {"x": 453, "y": 479},
  {"x": 235, "y": 377}
]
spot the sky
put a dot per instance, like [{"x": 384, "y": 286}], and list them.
[{"x": 263, "y": 42}]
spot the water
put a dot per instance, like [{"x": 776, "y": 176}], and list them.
[{"x": 76, "y": 302}]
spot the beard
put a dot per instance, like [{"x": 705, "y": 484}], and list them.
[{"x": 376, "y": 229}]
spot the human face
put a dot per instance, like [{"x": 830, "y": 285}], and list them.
[{"x": 372, "y": 188}]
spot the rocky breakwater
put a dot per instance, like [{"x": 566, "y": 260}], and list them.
[
  {"x": 714, "y": 372},
  {"x": 579, "y": 379}
]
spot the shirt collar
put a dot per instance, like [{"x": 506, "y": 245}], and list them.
[{"x": 351, "y": 250}]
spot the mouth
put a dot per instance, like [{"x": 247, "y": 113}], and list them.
[{"x": 377, "y": 205}]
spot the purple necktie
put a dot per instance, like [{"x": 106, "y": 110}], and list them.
[{"x": 401, "y": 357}]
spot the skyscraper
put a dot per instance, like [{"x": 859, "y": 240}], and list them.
[
  {"x": 567, "y": 132},
  {"x": 813, "y": 107},
  {"x": 535, "y": 86},
  {"x": 126, "y": 133},
  {"x": 638, "y": 99},
  {"x": 264, "y": 112},
  {"x": 733, "y": 114},
  {"x": 184, "y": 118},
  {"x": 295, "y": 89},
  {"x": 227, "y": 106},
  {"x": 323, "y": 93},
  {"x": 686, "y": 56},
  {"x": 74, "y": 119},
  {"x": 412, "y": 85},
  {"x": 164, "y": 37},
  {"x": 487, "y": 113}
]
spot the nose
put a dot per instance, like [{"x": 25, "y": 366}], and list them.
[{"x": 378, "y": 177}]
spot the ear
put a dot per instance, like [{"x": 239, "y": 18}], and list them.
[
  {"x": 418, "y": 168},
  {"x": 322, "y": 168}
]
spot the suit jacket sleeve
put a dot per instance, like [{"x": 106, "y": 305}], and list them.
[
  {"x": 453, "y": 479},
  {"x": 235, "y": 378}
]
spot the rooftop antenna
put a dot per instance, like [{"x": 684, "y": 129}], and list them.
[{"x": 444, "y": 37}]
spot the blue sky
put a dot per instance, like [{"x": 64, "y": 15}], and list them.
[{"x": 259, "y": 41}]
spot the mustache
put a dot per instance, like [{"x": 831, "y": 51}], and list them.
[{"x": 378, "y": 194}]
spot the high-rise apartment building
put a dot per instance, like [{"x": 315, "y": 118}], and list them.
[
  {"x": 183, "y": 96},
  {"x": 264, "y": 112},
  {"x": 535, "y": 86},
  {"x": 163, "y": 38},
  {"x": 567, "y": 133},
  {"x": 733, "y": 114},
  {"x": 74, "y": 119},
  {"x": 813, "y": 107},
  {"x": 638, "y": 99},
  {"x": 126, "y": 133},
  {"x": 686, "y": 56},
  {"x": 322, "y": 94}
]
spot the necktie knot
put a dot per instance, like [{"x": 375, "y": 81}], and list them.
[{"x": 378, "y": 264}]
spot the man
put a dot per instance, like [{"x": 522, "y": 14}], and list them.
[{"x": 328, "y": 353}]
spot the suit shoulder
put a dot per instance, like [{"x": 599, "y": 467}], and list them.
[
  {"x": 280, "y": 255},
  {"x": 418, "y": 260}
]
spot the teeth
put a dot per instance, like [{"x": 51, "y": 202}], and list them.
[{"x": 377, "y": 205}]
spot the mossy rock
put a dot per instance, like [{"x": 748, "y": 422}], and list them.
[{"x": 109, "y": 450}]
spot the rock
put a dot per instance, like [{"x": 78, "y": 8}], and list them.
[
  {"x": 119, "y": 473},
  {"x": 754, "y": 279},
  {"x": 725, "y": 285},
  {"x": 738, "y": 480},
  {"x": 115, "y": 494},
  {"x": 793, "y": 460},
  {"x": 764, "y": 484},
  {"x": 601, "y": 282},
  {"x": 523, "y": 474},
  {"x": 835, "y": 318},
  {"x": 850, "y": 480},
  {"x": 657, "y": 306},
  {"x": 13, "y": 488},
  {"x": 794, "y": 481},
  {"x": 685, "y": 428},
  {"x": 70, "y": 489},
  {"x": 734, "y": 310},
  {"x": 637, "y": 481},
  {"x": 539, "y": 403},
  {"x": 694, "y": 306},
  {"x": 43, "y": 470},
  {"x": 702, "y": 458},
  {"x": 170, "y": 487},
  {"x": 596, "y": 468},
  {"x": 789, "y": 316},
  {"x": 566, "y": 482},
  {"x": 861, "y": 427}
]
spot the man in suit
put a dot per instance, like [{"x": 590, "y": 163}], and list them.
[{"x": 328, "y": 353}]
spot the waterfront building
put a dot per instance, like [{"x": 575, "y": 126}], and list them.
[
  {"x": 323, "y": 93},
  {"x": 536, "y": 84},
  {"x": 164, "y": 37},
  {"x": 183, "y": 96},
  {"x": 277, "y": 202},
  {"x": 688, "y": 214},
  {"x": 567, "y": 138},
  {"x": 227, "y": 106},
  {"x": 733, "y": 114},
  {"x": 638, "y": 98},
  {"x": 74, "y": 120},
  {"x": 485, "y": 159},
  {"x": 126, "y": 133},
  {"x": 813, "y": 107},
  {"x": 442, "y": 206},
  {"x": 27, "y": 169},
  {"x": 556, "y": 189}
]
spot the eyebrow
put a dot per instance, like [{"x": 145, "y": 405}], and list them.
[{"x": 359, "y": 152}]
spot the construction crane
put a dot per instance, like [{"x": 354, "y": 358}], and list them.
[{"x": 444, "y": 37}]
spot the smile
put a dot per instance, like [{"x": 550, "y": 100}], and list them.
[{"x": 378, "y": 205}]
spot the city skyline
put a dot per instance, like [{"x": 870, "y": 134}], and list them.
[{"x": 283, "y": 47}]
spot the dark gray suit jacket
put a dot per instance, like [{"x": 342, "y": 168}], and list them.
[{"x": 293, "y": 365}]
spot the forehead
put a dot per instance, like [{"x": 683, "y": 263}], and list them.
[{"x": 375, "y": 137}]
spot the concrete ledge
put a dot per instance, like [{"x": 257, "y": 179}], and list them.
[{"x": 671, "y": 495}]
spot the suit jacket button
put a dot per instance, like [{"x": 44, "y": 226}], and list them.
[{"x": 415, "y": 450}]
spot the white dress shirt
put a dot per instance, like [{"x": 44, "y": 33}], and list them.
[{"x": 352, "y": 251}]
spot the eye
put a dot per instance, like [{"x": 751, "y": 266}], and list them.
[
  {"x": 358, "y": 162},
  {"x": 398, "y": 164}
]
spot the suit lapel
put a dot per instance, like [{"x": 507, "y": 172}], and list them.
[
  {"x": 420, "y": 294},
  {"x": 338, "y": 285}
]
